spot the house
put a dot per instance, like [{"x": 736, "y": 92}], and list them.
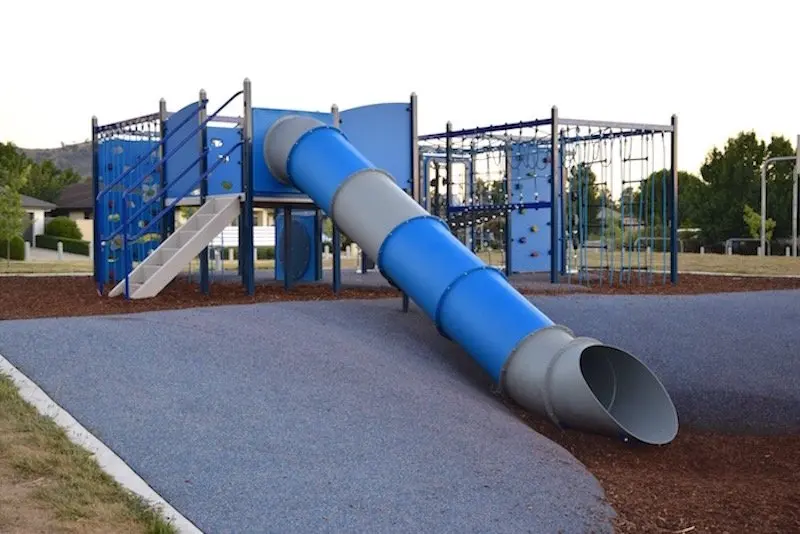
[
  {"x": 36, "y": 210},
  {"x": 77, "y": 202}
]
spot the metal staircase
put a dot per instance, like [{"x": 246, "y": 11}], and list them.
[{"x": 177, "y": 251}]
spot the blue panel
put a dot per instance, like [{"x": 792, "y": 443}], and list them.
[
  {"x": 227, "y": 177},
  {"x": 264, "y": 184},
  {"x": 304, "y": 246},
  {"x": 186, "y": 154},
  {"x": 382, "y": 132},
  {"x": 115, "y": 157},
  {"x": 529, "y": 233}
]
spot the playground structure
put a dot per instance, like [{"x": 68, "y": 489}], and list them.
[
  {"x": 610, "y": 216},
  {"x": 361, "y": 168}
]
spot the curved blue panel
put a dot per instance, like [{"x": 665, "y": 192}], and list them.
[
  {"x": 227, "y": 177},
  {"x": 382, "y": 132},
  {"x": 318, "y": 177},
  {"x": 186, "y": 154},
  {"x": 483, "y": 314},
  {"x": 424, "y": 258},
  {"x": 304, "y": 246},
  {"x": 264, "y": 184}
]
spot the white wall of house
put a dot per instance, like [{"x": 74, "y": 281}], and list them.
[{"x": 37, "y": 220}]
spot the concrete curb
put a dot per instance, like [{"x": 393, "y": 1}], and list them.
[{"x": 106, "y": 458}]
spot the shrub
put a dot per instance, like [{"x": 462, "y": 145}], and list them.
[
  {"x": 74, "y": 246},
  {"x": 63, "y": 227},
  {"x": 265, "y": 253},
  {"x": 17, "y": 248}
]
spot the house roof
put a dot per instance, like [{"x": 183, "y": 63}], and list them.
[
  {"x": 76, "y": 196},
  {"x": 36, "y": 204}
]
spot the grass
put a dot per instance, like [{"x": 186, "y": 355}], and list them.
[
  {"x": 689, "y": 262},
  {"x": 711, "y": 263},
  {"x": 49, "y": 484}
]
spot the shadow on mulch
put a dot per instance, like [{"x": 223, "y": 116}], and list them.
[{"x": 701, "y": 482}]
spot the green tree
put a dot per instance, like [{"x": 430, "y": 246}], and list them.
[
  {"x": 652, "y": 190},
  {"x": 733, "y": 178},
  {"x": 46, "y": 181},
  {"x": 15, "y": 168},
  {"x": 13, "y": 218},
  {"x": 779, "y": 186},
  {"x": 753, "y": 222}
]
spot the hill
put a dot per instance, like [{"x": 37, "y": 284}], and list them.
[{"x": 77, "y": 157}]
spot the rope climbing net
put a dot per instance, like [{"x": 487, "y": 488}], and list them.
[{"x": 616, "y": 204}]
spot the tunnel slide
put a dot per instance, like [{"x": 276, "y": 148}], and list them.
[{"x": 577, "y": 382}]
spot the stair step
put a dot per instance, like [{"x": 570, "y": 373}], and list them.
[
  {"x": 164, "y": 254},
  {"x": 150, "y": 270}
]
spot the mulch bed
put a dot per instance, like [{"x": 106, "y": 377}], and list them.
[{"x": 701, "y": 482}]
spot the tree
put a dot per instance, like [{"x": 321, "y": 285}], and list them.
[
  {"x": 753, "y": 222},
  {"x": 46, "y": 181},
  {"x": 779, "y": 186},
  {"x": 733, "y": 178},
  {"x": 652, "y": 191},
  {"x": 14, "y": 168},
  {"x": 12, "y": 217}
]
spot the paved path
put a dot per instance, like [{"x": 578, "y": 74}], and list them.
[{"x": 351, "y": 416}]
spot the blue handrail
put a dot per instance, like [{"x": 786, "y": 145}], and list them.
[
  {"x": 180, "y": 197},
  {"x": 161, "y": 214}
]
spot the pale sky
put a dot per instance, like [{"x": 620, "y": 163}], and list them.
[{"x": 721, "y": 66}]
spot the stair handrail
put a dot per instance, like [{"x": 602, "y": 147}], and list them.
[
  {"x": 125, "y": 237},
  {"x": 194, "y": 185}
]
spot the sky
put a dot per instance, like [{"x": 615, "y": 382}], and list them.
[{"x": 722, "y": 67}]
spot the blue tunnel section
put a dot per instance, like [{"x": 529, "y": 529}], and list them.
[
  {"x": 470, "y": 302},
  {"x": 320, "y": 161}
]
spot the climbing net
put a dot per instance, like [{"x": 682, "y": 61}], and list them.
[
  {"x": 616, "y": 216},
  {"x": 475, "y": 178}
]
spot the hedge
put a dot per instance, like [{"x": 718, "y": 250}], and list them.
[
  {"x": 17, "y": 248},
  {"x": 63, "y": 227},
  {"x": 262, "y": 253},
  {"x": 74, "y": 246}
]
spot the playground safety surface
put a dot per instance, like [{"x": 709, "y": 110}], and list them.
[{"x": 714, "y": 481}]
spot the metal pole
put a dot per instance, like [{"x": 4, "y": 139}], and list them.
[
  {"x": 168, "y": 223},
  {"x": 287, "y": 246},
  {"x": 337, "y": 237},
  {"x": 246, "y": 240},
  {"x": 203, "y": 115},
  {"x": 764, "y": 166},
  {"x": 673, "y": 233},
  {"x": 449, "y": 168},
  {"x": 555, "y": 174},
  {"x": 794, "y": 198},
  {"x": 99, "y": 276},
  {"x": 415, "y": 185},
  {"x": 507, "y": 210},
  {"x": 763, "y": 236}
]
